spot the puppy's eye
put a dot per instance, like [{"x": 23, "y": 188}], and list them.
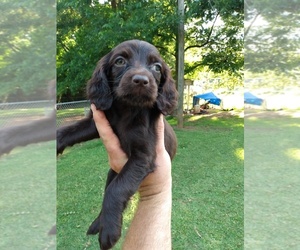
[
  {"x": 120, "y": 61},
  {"x": 157, "y": 67}
]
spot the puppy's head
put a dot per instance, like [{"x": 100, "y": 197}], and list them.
[{"x": 133, "y": 73}]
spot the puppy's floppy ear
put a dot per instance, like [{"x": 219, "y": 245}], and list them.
[
  {"x": 167, "y": 93},
  {"x": 98, "y": 89}
]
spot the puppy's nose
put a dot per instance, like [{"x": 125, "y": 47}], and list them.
[{"x": 140, "y": 80}]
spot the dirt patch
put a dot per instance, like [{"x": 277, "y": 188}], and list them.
[
  {"x": 17, "y": 121},
  {"x": 68, "y": 120},
  {"x": 222, "y": 113},
  {"x": 250, "y": 113}
]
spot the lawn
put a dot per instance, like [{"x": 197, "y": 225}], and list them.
[
  {"x": 208, "y": 210},
  {"x": 272, "y": 160},
  {"x": 28, "y": 197}
]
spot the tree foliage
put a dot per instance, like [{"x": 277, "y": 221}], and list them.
[
  {"x": 216, "y": 31},
  {"x": 27, "y": 48},
  {"x": 87, "y": 30},
  {"x": 272, "y": 36}
]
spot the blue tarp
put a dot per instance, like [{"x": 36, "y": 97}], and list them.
[
  {"x": 210, "y": 96},
  {"x": 249, "y": 98}
]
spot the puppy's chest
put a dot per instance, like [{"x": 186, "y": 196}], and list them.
[{"x": 136, "y": 135}]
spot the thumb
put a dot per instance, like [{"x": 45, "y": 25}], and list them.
[{"x": 101, "y": 122}]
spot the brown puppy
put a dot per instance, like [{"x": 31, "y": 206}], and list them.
[{"x": 133, "y": 86}]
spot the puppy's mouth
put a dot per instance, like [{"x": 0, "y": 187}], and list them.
[{"x": 138, "y": 98}]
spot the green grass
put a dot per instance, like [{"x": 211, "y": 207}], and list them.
[
  {"x": 208, "y": 185},
  {"x": 28, "y": 197},
  {"x": 272, "y": 157},
  {"x": 207, "y": 188}
]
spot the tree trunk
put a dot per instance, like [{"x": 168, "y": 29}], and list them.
[
  {"x": 114, "y": 4},
  {"x": 180, "y": 63}
]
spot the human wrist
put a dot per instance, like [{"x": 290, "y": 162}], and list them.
[
  {"x": 156, "y": 192},
  {"x": 153, "y": 217}
]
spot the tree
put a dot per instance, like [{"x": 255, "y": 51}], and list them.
[
  {"x": 217, "y": 35},
  {"x": 27, "y": 51},
  {"x": 180, "y": 63},
  {"x": 272, "y": 36}
]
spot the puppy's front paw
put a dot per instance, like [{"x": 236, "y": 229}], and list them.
[
  {"x": 109, "y": 230},
  {"x": 109, "y": 234},
  {"x": 94, "y": 227}
]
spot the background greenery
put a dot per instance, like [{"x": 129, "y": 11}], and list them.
[
  {"x": 271, "y": 44},
  {"x": 88, "y": 30},
  {"x": 207, "y": 187},
  {"x": 27, "y": 49}
]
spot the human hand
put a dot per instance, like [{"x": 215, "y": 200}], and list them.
[
  {"x": 116, "y": 156},
  {"x": 155, "y": 182}
]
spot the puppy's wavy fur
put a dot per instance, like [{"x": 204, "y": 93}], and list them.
[{"x": 133, "y": 86}]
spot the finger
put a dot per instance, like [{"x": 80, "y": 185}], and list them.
[{"x": 160, "y": 128}]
